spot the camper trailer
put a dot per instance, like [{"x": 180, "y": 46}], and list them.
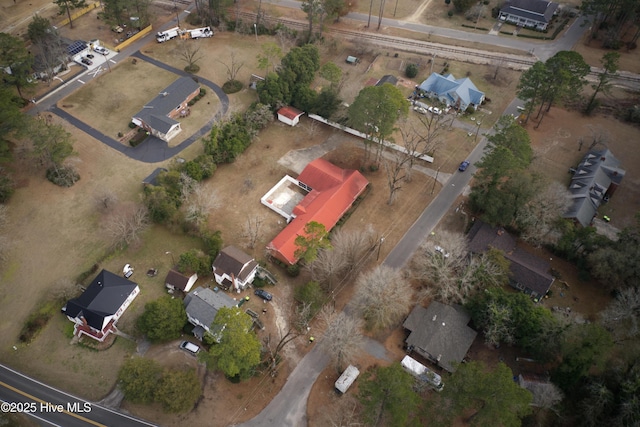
[
  {"x": 422, "y": 373},
  {"x": 346, "y": 379}
]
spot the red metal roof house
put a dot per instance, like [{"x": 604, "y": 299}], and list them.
[{"x": 332, "y": 191}]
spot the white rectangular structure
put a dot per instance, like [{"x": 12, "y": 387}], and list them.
[
  {"x": 423, "y": 373},
  {"x": 346, "y": 379}
]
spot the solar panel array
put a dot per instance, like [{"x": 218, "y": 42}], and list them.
[{"x": 76, "y": 47}]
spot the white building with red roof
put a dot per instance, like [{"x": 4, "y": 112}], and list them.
[
  {"x": 289, "y": 115},
  {"x": 322, "y": 193}
]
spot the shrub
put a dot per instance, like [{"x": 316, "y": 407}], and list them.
[
  {"x": 120, "y": 135},
  {"x": 411, "y": 71},
  {"x": 232, "y": 86},
  {"x": 293, "y": 270},
  {"x": 450, "y": 13},
  {"x": 63, "y": 176},
  {"x": 203, "y": 91},
  {"x": 132, "y": 125}
]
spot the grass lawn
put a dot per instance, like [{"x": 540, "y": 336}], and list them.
[{"x": 108, "y": 102}]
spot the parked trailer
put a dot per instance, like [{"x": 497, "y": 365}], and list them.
[
  {"x": 171, "y": 33},
  {"x": 423, "y": 373},
  {"x": 346, "y": 379},
  {"x": 198, "y": 33}
]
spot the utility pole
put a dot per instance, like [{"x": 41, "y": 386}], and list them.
[{"x": 435, "y": 179}]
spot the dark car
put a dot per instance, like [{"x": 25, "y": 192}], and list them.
[
  {"x": 90, "y": 56},
  {"x": 86, "y": 61},
  {"x": 263, "y": 294},
  {"x": 463, "y": 166}
]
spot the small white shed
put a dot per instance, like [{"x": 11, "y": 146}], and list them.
[
  {"x": 289, "y": 115},
  {"x": 346, "y": 379}
]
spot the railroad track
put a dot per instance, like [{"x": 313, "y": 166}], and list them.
[{"x": 519, "y": 62}]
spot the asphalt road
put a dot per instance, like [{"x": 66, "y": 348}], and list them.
[{"x": 52, "y": 407}]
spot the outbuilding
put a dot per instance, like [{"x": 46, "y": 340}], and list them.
[
  {"x": 289, "y": 115},
  {"x": 347, "y": 379}
]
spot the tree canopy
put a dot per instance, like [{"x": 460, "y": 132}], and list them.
[
  {"x": 163, "y": 319},
  {"x": 315, "y": 237},
  {"x": 15, "y": 57},
  {"x": 237, "y": 352},
  {"x": 375, "y": 112},
  {"x": 178, "y": 390},
  {"x": 139, "y": 378},
  {"x": 503, "y": 185},
  {"x": 489, "y": 397},
  {"x": 387, "y": 396}
]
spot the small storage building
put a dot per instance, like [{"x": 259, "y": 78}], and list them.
[
  {"x": 346, "y": 379},
  {"x": 289, "y": 115}
]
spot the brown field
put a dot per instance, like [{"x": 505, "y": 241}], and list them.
[{"x": 58, "y": 233}]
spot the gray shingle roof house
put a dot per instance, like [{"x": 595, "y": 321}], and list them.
[
  {"x": 97, "y": 310},
  {"x": 234, "y": 268},
  {"x": 456, "y": 93},
  {"x": 202, "y": 305},
  {"x": 178, "y": 281},
  {"x": 440, "y": 333},
  {"x": 528, "y": 13},
  {"x": 157, "y": 117},
  {"x": 529, "y": 273},
  {"x": 598, "y": 175}
]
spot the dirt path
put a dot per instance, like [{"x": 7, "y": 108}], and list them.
[{"x": 415, "y": 16}]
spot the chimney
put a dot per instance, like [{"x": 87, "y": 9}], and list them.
[
  {"x": 434, "y": 317},
  {"x": 439, "y": 357}
]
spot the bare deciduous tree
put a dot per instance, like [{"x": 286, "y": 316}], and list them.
[
  {"x": 190, "y": 53},
  {"x": 397, "y": 172},
  {"x": 273, "y": 348},
  {"x": 353, "y": 246},
  {"x": 538, "y": 218},
  {"x": 342, "y": 338},
  {"x": 234, "y": 67},
  {"x": 383, "y": 297},
  {"x": 105, "y": 200},
  {"x": 252, "y": 230},
  {"x": 342, "y": 411},
  {"x": 545, "y": 395},
  {"x": 443, "y": 263},
  {"x": 623, "y": 313},
  {"x": 199, "y": 203},
  {"x": 500, "y": 328},
  {"x": 328, "y": 265},
  {"x": 125, "y": 225}
]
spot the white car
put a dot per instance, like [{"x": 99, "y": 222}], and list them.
[
  {"x": 190, "y": 347},
  {"x": 419, "y": 110},
  {"x": 436, "y": 110},
  {"x": 101, "y": 50}
]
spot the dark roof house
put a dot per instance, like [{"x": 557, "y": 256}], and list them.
[
  {"x": 529, "y": 273},
  {"x": 202, "y": 305},
  {"x": 528, "y": 13},
  {"x": 440, "y": 333},
  {"x": 234, "y": 268},
  {"x": 97, "y": 310},
  {"x": 597, "y": 177},
  {"x": 158, "y": 116},
  {"x": 387, "y": 79}
]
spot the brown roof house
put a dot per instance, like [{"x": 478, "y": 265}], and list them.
[
  {"x": 177, "y": 281},
  {"x": 440, "y": 334},
  {"x": 234, "y": 268},
  {"x": 158, "y": 116},
  {"x": 529, "y": 273}
]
